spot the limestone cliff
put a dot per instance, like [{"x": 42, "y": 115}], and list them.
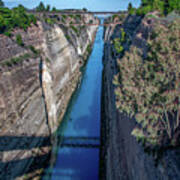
[
  {"x": 36, "y": 83},
  {"x": 123, "y": 157}
]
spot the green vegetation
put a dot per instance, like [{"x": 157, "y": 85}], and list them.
[
  {"x": 19, "y": 40},
  {"x": 90, "y": 21},
  {"x": 89, "y": 49},
  {"x": 78, "y": 16},
  {"x": 71, "y": 16},
  {"x": 16, "y": 60},
  {"x": 50, "y": 21},
  {"x": 13, "y": 61},
  {"x": 67, "y": 37},
  {"x": 115, "y": 16},
  {"x": 64, "y": 16},
  {"x": 41, "y": 7},
  {"x": 117, "y": 45},
  {"x": 148, "y": 89},
  {"x": 16, "y": 17},
  {"x": 119, "y": 41},
  {"x": 75, "y": 29},
  {"x": 35, "y": 51},
  {"x": 48, "y": 8},
  {"x": 48, "y": 60},
  {"x": 84, "y": 9},
  {"x": 54, "y": 9},
  {"x": 131, "y": 10},
  {"x": 1, "y": 3},
  {"x": 163, "y": 6}
]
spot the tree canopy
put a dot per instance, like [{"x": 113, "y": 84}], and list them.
[
  {"x": 164, "y": 6},
  {"x": 40, "y": 7},
  {"x": 16, "y": 17}
]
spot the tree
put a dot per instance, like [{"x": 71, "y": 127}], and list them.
[
  {"x": 131, "y": 10},
  {"x": 16, "y": 17},
  {"x": 173, "y": 5},
  {"x": 85, "y": 9},
  {"x": 54, "y": 9},
  {"x": 149, "y": 89},
  {"x": 1, "y": 3},
  {"x": 48, "y": 7},
  {"x": 129, "y": 6},
  {"x": 164, "y": 6},
  {"x": 40, "y": 7}
]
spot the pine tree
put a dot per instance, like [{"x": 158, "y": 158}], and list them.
[
  {"x": 41, "y": 7},
  {"x": 1, "y": 3}
]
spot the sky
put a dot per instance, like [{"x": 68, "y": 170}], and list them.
[{"x": 92, "y": 5}]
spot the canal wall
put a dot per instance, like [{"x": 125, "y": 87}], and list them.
[
  {"x": 37, "y": 80},
  {"x": 122, "y": 157}
]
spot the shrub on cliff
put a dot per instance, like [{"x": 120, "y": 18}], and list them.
[
  {"x": 19, "y": 40},
  {"x": 16, "y": 17},
  {"x": 118, "y": 42},
  {"x": 75, "y": 29},
  {"x": 149, "y": 89}
]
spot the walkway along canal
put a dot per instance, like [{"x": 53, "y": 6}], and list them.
[{"x": 78, "y": 155}]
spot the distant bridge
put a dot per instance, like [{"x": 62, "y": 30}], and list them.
[
  {"x": 86, "y": 24},
  {"x": 78, "y": 12}
]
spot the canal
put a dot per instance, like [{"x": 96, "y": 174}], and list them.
[{"x": 78, "y": 154}]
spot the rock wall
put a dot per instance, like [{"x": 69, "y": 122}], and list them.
[
  {"x": 123, "y": 157},
  {"x": 34, "y": 92}
]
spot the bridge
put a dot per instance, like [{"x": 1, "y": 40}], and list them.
[
  {"x": 82, "y": 24},
  {"x": 68, "y": 12},
  {"x": 58, "y": 13},
  {"x": 75, "y": 12}
]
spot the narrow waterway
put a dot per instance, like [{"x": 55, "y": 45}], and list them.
[{"x": 78, "y": 155}]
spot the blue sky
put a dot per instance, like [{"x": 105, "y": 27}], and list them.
[{"x": 94, "y": 5}]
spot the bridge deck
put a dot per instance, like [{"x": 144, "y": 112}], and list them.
[{"x": 79, "y": 12}]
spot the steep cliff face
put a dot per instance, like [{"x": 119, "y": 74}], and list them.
[
  {"x": 36, "y": 83},
  {"x": 124, "y": 158}
]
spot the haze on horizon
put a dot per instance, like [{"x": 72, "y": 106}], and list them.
[{"x": 92, "y": 5}]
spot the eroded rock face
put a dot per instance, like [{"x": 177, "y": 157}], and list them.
[
  {"x": 34, "y": 94},
  {"x": 122, "y": 156}
]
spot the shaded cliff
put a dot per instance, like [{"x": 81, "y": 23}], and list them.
[
  {"x": 37, "y": 80},
  {"x": 122, "y": 156}
]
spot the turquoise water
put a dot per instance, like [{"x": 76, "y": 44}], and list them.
[{"x": 78, "y": 156}]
